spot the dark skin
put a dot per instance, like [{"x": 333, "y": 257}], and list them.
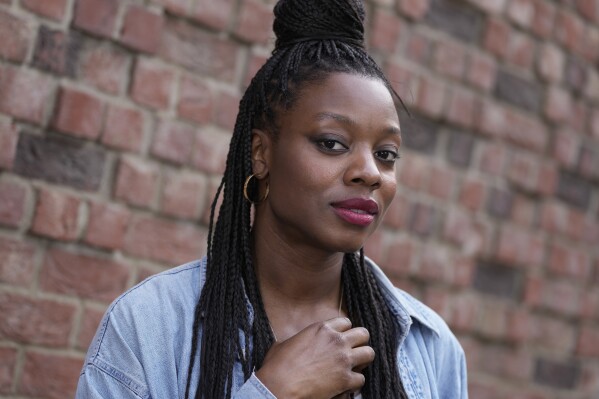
[{"x": 338, "y": 141}]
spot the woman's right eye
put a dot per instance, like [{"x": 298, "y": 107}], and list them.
[{"x": 331, "y": 145}]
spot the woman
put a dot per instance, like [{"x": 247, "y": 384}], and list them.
[{"x": 286, "y": 305}]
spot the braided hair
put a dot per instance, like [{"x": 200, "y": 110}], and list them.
[{"x": 314, "y": 39}]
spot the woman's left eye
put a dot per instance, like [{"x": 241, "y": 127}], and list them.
[{"x": 387, "y": 155}]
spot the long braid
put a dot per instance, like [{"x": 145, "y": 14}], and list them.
[{"x": 309, "y": 47}]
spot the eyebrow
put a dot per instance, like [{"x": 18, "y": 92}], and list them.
[{"x": 348, "y": 121}]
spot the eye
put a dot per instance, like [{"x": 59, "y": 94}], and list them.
[
  {"x": 387, "y": 155},
  {"x": 331, "y": 145}
]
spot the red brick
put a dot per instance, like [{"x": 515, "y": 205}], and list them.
[
  {"x": 124, "y": 128},
  {"x": 550, "y": 63},
  {"x": 56, "y": 215},
  {"x": 523, "y": 211},
  {"x": 107, "y": 225},
  {"x": 212, "y": 14},
  {"x": 544, "y": 17},
  {"x": 184, "y": 195},
  {"x": 8, "y": 144},
  {"x": 442, "y": 180},
  {"x": 35, "y": 321},
  {"x": 414, "y": 171},
  {"x": 96, "y": 16},
  {"x": 590, "y": 308},
  {"x": 152, "y": 84},
  {"x": 137, "y": 182},
  {"x": 553, "y": 334},
  {"x": 570, "y": 295},
  {"x": 579, "y": 116},
  {"x": 521, "y": 12},
  {"x": 492, "y": 323},
  {"x": 254, "y": 64},
  {"x": 82, "y": 276},
  {"x": 520, "y": 326},
  {"x": 566, "y": 147},
  {"x": 569, "y": 262},
  {"x": 25, "y": 94},
  {"x": 558, "y": 105},
  {"x": 462, "y": 107},
  {"x": 397, "y": 213},
  {"x": 554, "y": 217},
  {"x": 592, "y": 86},
  {"x": 521, "y": 50},
  {"x": 472, "y": 194},
  {"x": 142, "y": 29},
  {"x": 590, "y": 49},
  {"x": 415, "y": 9},
  {"x": 89, "y": 325},
  {"x": 418, "y": 47},
  {"x": 226, "y": 110},
  {"x": 438, "y": 299},
  {"x": 104, "y": 67},
  {"x": 18, "y": 262},
  {"x": 51, "y": 376},
  {"x": 569, "y": 30},
  {"x": 449, "y": 59},
  {"x": 375, "y": 247},
  {"x": 525, "y": 131},
  {"x": 179, "y": 7},
  {"x": 587, "y": 342},
  {"x": 165, "y": 241},
  {"x": 255, "y": 21},
  {"x": 196, "y": 100},
  {"x": 588, "y": 9},
  {"x": 386, "y": 29},
  {"x": 210, "y": 150},
  {"x": 53, "y": 9},
  {"x": 490, "y": 6},
  {"x": 523, "y": 170},
  {"x": 173, "y": 141},
  {"x": 462, "y": 313},
  {"x": 16, "y": 37},
  {"x": 548, "y": 179},
  {"x": 432, "y": 265},
  {"x": 497, "y": 37},
  {"x": 462, "y": 230},
  {"x": 13, "y": 197},
  {"x": 430, "y": 98},
  {"x": 493, "y": 158},
  {"x": 79, "y": 114},
  {"x": 400, "y": 256},
  {"x": 589, "y": 378},
  {"x": 594, "y": 124},
  {"x": 403, "y": 80},
  {"x": 8, "y": 362},
  {"x": 481, "y": 71},
  {"x": 519, "y": 247},
  {"x": 492, "y": 119}
]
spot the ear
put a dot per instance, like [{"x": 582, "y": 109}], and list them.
[{"x": 261, "y": 152}]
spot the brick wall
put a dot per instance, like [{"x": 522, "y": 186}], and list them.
[{"x": 114, "y": 123}]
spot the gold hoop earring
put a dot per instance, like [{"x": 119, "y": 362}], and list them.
[{"x": 245, "y": 190}]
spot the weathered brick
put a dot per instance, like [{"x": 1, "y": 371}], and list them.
[
  {"x": 254, "y": 23},
  {"x": 590, "y": 49},
  {"x": 96, "y": 16},
  {"x": 587, "y": 342},
  {"x": 518, "y": 91},
  {"x": 422, "y": 134},
  {"x": 523, "y": 211},
  {"x": 566, "y": 147},
  {"x": 8, "y": 144},
  {"x": 210, "y": 150},
  {"x": 579, "y": 116},
  {"x": 8, "y": 363},
  {"x": 184, "y": 195},
  {"x": 35, "y": 321},
  {"x": 548, "y": 179},
  {"x": 442, "y": 181},
  {"x": 493, "y": 158},
  {"x": 521, "y": 12},
  {"x": 481, "y": 71},
  {"x": 196, "y": 100},
  {"x": 25, "y": 94},
  {"x": 499, "y": 203},
  {"x": 142, "y": 29},
  {"x": 460, "y": 20},
  {"x": 212, "y": 14},
  {"x": 104, "y": 66},
  {"x": 423, "y": 219},
  {"x": 459, "y": 149},
  {"x": 461, "y": 229},
  {"x": 492, "y": 119},
  {"x": 53, "y": 9},
  {"x": 397, "y": 213},
  {"x": 489, "y": 6},
  {"x": 376, "y": 246},
  {"x": 419, "y": 47},
  {"x": 554, "y": 334},
  {"x": 107, "y": 225},
  {"x": 521, "y": 50},
  {"x": 18, "y": 262},
  {"x": 60, "y": 160},
  {"x": 79, "y": 113},
  {"x": 198, "y": 51},
  {"x": 491, "y": 323},
  {"x": 226, "y": 109},
  {"x": 472, "y": 194},
  {"x": 414, "y": 9},
  {"x": 256, "y": 61},
  {"x": 430, "y": 98},
  {"x": 550, "y": 62},
  {"x": 594, "y": 123},
  {"x": 152, "y": 84},
  {"x": 497, "y": 37},
  {"x": 164, "y": 241},
  {"x": 89, "y": 325},
  {"x": 414, "y": 171},
  {"x": 575, "y": 75},
  {"x": 82, "y": 276},
  {"x": 124, "y": 128},
  {"x": 556, "y": 374},
  {"x": 543, "y": 19},
  {"x": 498, "y": 280},
  {"x": 462, "y": 107},
  {"x": 400, "y": 257},
  {"x": 56, "y": 215},
  {"x": 526, "y": 131},
  {"x": 179, "y": 7},
  {"x": 13, "y": 197},
  {"x": 173, "y": 141},
  {"x": 386, "y": 30},
  {"x": 519, "y": 247},
  {"x": 523, "y": 170},
  {"x": 16, "y": 37},
  {"x": 137, "y": 182},
  {"x": 588, "y": 9},
  {"x": 569, "y": 262},
  {"x": 56, "y": 51},
  {"x": 574, "y": 190},
  {"x": 569, "y": 30},
  {"x": 50, "y": 376},
  {"x": 558, "y": 104}
]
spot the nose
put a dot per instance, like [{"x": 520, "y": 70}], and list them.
[{"x": 363, "y": 169}]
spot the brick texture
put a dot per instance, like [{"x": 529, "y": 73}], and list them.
[{"x": 115, "y": 123}]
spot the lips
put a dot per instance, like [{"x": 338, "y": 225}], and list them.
[{"x": 357, "y": 211}]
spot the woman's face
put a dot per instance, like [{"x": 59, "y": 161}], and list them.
[{"x": 331, "y": 168}]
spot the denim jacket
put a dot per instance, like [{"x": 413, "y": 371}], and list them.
[{"x": 142, "y": 346}]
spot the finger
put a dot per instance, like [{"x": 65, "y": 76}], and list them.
[
  {"x": 339, "y": 324},
  {"x": 355, "y": 382},
  {"x": 357, "y": 336},
  {"x": 361, "y": 357}
]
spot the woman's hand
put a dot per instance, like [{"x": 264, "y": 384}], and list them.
[{"x": 321, "y": 361}]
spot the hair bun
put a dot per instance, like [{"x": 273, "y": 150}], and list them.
[{"x": 300, "y": 20}]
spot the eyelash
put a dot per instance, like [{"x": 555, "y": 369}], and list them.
[{"x": 322, "y": 145}]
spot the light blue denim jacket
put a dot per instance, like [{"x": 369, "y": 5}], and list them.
[{"x": 142, "y": 346}]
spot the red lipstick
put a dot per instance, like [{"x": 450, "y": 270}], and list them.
[{"x": 358, "y": 211}]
